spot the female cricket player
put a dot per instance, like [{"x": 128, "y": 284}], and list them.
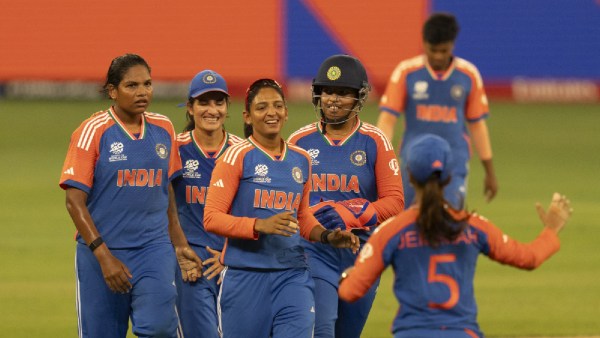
[
  {"x": 258, "y": 199},
  {"x": 203, "y": 141},
  {"x": 117, "y": 178},
  {"x": 356, "y": 185},
  {"x": 434, "y": 249}
]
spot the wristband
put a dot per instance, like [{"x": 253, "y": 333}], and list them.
[
  {"x": 324, "y": 235},
  {"x": 96, "y": 243}
]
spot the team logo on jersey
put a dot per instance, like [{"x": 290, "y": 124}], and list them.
[
  {"x": 395, "y": 166},
  {"x": 420, "y": 90},
  {"x": 190, "y": 169},
  {"x": 314, "y": 153},
  {"x": 116, "y": 149},
  {"x": 209, "y": 78},
  {"x": 334, "y": 73},
  {"x": 365, "y": 253},
  {"x": 161, "y": 151},
  {"x": 262, "y": 171},
  {"x": 297, "y": 175},
  {"x": 457, "y": 92},
  {"x": 358, "y": 158}
]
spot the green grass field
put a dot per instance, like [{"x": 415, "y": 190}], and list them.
[{"x": 538, "y": 149}]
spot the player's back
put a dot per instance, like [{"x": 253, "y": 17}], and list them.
[{"x": 433, "y": 285}]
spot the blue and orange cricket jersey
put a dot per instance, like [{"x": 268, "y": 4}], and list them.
[
  {"x": 192, "y": 186},
  {"x": 249, "y": 182},
  {"x": 439, "y": 104},
  {"x": 435, "y": 285},
  {"x": 361, "y": 165},
  {"x": 126, "y": 176}
]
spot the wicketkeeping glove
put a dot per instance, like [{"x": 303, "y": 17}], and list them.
[{"x": 357, "y": 213}]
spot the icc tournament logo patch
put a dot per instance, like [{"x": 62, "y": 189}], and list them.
[
  {"x": 457, "y": 92},
  {"x": 314, "y": 153},
  {"x": 334, "y": 73},
  {"x": 209, "y": 79},
  {"x": 358, "y": 158},
  {"x": 116, "y": 149},
  {"x": 161, "y": 151},
  {"x": 420, "y": 90},
  {"x": 297, "y": 175},
  {"x": 262, "y": 171},
  {"x": 190, "y": 169}
]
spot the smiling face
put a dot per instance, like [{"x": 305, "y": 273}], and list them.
[
  {"x": 267, "y": 114},
  {"x": 209, "y": 111},
  {"x": 134, "y": 93},
  {"x": 337, "y": 104}
]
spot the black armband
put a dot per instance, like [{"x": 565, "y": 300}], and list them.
[
  {"x": 96, "y": 243},
  {"x": 324, "y": 235}
]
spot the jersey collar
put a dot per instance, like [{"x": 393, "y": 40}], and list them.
[
  {"x": 268, "y": 153},
  {"x": 204, "y": 153},
  {"x": 345, "y": 139},
  {"x": 121, "y": 125},
  {"x": 447, "y": 73}
]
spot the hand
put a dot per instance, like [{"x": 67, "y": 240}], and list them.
[
  {"x": 215, "y": 267},
  {"x": 558, "y": 213},
  {"x": 189, "y": 263},
  {"x": 344, "y": 239},
  {"x": 283, "y": 224},
  {"x": 490, "y": 187},
  {"x": 357, "y": 213},
  {"x": 116, "y": 274}
]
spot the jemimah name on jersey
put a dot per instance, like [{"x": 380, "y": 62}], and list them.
[{"x": 139, "y": 177}]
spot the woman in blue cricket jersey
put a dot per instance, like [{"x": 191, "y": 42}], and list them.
[
  {"x": 433, "y": 249},
  {"x": 117, "y": 177},
  {"x": 356, "y": 185},
  {"x": 258, "y": 199},
  {"x": 204, "y": 139}
]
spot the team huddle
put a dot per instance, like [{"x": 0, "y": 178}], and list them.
[{"x": 208, "y": 234}]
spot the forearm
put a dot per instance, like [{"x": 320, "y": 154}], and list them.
[
  {"x": 76, "y": 206},
  {"x": 175, "y": 232},
  {"x": 481, "y": 140}
]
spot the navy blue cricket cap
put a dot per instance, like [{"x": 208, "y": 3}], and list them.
[
  {"x": 426, "y": 155},
  {"x": 206, "y": 81}
]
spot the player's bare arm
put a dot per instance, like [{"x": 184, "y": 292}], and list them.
[
  {"x": 189, "y": 263},
  {"x": 481, "y": 140},
  {"x": 115, "y": 273}
]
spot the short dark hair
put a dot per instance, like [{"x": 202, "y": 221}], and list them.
[
  {"x": 119, "y": 66},
  {"x": 440, "y": 28},
  {"x": 251, "y": 92}
]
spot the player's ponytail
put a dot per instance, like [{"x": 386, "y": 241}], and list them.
[{"x": 435, "y": 222}]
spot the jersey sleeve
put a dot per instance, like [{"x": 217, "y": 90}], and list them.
[
  {"x": 306, "y": 219},
  {"x": 477, "y": 102},
  {"x": 394, "y": 97},
  {"x": 175, "y": 157},
  {"x": 223, "y": 187},
  {"x": 373, "y": 258},
  {"x": 506, "y": 250},
  {"x": 390, "y": 192},
  {"x": 80, "y": 162}
]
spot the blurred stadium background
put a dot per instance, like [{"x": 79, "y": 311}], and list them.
[{"x": 539, "y": 61}]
